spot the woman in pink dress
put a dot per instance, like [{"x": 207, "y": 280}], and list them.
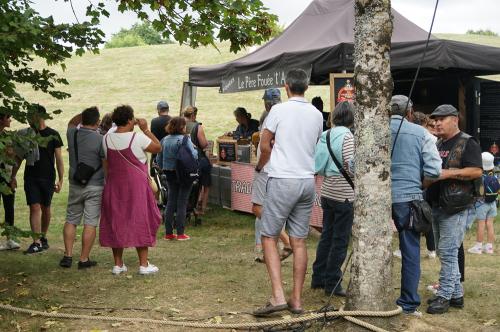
[{"x": 129, "y": 214}]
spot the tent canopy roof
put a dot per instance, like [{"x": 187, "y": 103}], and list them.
[{"x": 321, "y": 39}]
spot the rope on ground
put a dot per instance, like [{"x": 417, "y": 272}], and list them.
[{"x": 301, "y": 319}]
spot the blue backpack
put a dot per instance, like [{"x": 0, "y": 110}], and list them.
[
  {"x": 491, "y": 188},
  {"x": 186, "y": 165}
]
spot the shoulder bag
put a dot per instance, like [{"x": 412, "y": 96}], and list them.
[{"x": 83, "y": 172}]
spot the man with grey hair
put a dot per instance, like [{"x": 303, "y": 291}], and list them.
[
  {"x": 289, "y": 138},
  {"x": 413, "y": 154},
  {"x": 451, "y": 199}
]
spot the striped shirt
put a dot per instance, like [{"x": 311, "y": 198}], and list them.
[{"x": 336, "y": 187}]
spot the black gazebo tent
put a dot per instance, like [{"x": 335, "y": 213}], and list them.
[{"x": 321, "y": 40}]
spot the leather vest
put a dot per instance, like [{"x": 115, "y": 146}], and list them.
[{"x": 456, "y": 195}]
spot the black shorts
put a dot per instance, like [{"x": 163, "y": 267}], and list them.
[
  {"x": 39, "y": 191},
  {"x": 205, "y": 172}
]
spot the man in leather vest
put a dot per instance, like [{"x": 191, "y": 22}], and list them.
[{"x": 451, "y": 198}]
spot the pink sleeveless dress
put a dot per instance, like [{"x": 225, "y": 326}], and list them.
[{"x": 129, "y": 214}]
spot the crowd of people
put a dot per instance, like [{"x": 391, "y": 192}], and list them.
[{"x": 435, "y": 166}]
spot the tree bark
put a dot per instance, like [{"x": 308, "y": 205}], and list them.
[{"x": 371, "y": 287}]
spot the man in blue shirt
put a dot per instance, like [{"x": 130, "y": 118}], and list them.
[{"x": 415, "y": 164}]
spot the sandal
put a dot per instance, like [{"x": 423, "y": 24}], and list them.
[
  {"x": 286, "y": 253},
  {"x": 269, "y": 309}
]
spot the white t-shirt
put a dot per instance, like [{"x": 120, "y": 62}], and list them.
[
  {"x": 297, "y": 125},
  {"x": 120, "y": 141}
]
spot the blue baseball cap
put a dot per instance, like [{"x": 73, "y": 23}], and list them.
[
  {"x": 272, "y": 94},
  {"x": 162, "y": 105}
]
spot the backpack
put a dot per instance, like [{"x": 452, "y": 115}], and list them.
[
  {"x": 491, "y": 188},
  {"x": 186, "y": 165}
]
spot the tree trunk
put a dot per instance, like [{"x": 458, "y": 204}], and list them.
[{"x": 371, "y": 287}]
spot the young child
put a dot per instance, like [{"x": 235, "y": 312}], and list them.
[{"x": 486, "y": 208}]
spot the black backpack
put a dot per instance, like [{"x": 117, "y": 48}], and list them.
[{"x": 186, "y": 165}]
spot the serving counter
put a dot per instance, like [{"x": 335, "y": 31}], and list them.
[{"x": 232, "y": 189}]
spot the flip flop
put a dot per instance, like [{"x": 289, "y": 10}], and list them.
[
  {"x": 286, "y": 253},
  {"x": 269, "y": 309}
]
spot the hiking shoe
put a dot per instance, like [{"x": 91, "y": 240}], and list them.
[
  {"x": 119, "y": 269},
  {"x": 170, "y": 237},
  {"x": 439, "y": 305},
  {"x": 45, "y": 243},
  {"x": 66, "y": 261},
  {"x": 397, "y": 253},
  {"x": 431, "y": 254},
  {"x": 150, "y": 269},
  {"x": 475, "y": 250},
  {"x": 85, "y": 265},
  {"x": 34, "y": 248},
  {"x": 183, "y": 237},
  {"x": 414, "y": 313}
]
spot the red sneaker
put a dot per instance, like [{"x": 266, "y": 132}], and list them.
[
  {"x": 170, "y": 237},
  {"x": 183, "y": 237}
]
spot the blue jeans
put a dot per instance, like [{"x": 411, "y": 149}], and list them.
[
  {"x": 177, "y": 202},
  {"x": 409, "y": 244},
  {"x": 332, "y": 246},
  {"x": 449, "y": 233}
]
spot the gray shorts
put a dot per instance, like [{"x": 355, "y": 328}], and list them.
[
  {"x": 259, "y": 188},
  {"x": 288, "y": 201},
  {"x": 86, "y": 202}
]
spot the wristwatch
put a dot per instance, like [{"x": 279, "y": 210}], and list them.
[{"x": 257, "y": 169}]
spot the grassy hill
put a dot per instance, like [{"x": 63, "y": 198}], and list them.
[{"x": 141, "y": 76}]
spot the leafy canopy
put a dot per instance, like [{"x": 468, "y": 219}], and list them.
[{"x": 25, "y": 34}]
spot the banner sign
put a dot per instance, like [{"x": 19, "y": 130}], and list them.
[{"x": 274, "y": 78}]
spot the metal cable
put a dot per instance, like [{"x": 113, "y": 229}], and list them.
[{"x": 416, "y": 76}]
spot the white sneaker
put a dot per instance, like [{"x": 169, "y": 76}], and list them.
[
  {"x": 12, "y": 245},
  {"x": 488, "y": 248},
  {"x": 397, "y": 253},
  {"x": 119, "y": 269},
  {"x": 475, "y": 250},
  {"x": 431, "y": 254},
  {"x": 150, "y": 269},
  {"x": 433, "y": 288},
  {"x": 415, "y": 313}
]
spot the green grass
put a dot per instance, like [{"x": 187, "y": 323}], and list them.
[{"x": 212, "y": 274}]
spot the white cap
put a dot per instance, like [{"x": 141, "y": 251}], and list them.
[{"x": 488, "y": 161}]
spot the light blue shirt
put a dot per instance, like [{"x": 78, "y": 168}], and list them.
[
  {"x": 415, "y": 157},
  {"x": 170, "y": 144}
]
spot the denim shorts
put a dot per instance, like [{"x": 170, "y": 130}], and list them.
[
  {"x": 259, "y": 188},
  {"x": 486, "y": 210}
]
